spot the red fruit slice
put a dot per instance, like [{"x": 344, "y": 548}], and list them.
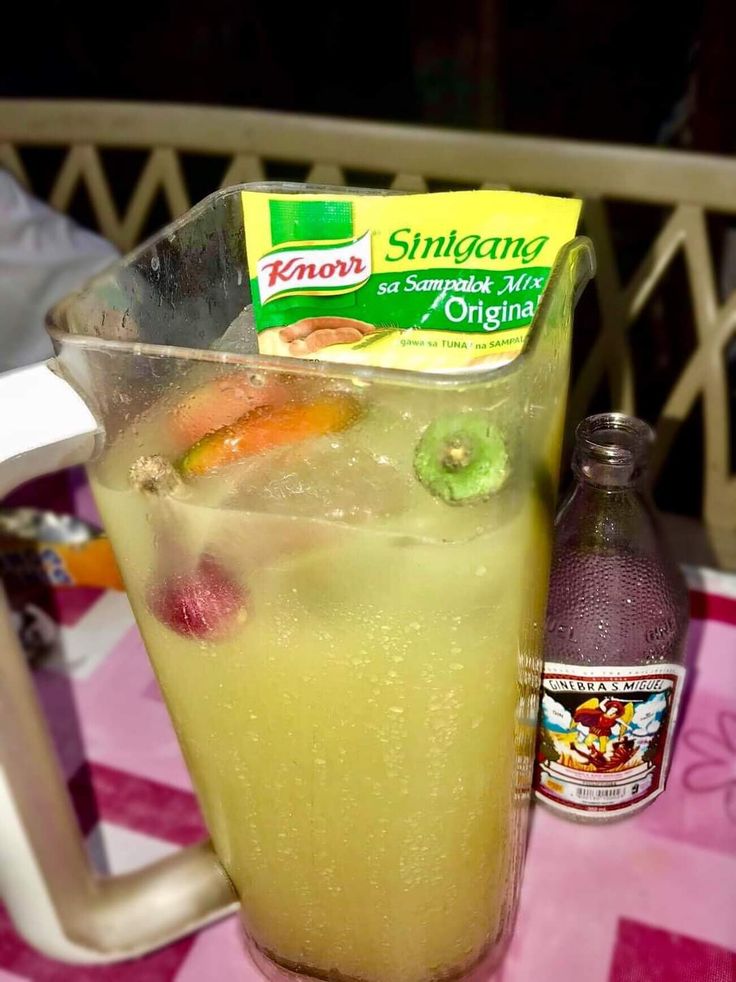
[
  {"x": 206, "y": 603},
  {"x": 220, "y": 402}
]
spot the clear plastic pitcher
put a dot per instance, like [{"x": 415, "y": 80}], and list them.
[{"x": 351, "y": 662}]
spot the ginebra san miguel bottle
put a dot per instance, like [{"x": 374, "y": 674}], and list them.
[{"x": 615, "y": 635}]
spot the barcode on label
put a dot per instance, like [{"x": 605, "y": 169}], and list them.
[{"x": 601, "y": 793}]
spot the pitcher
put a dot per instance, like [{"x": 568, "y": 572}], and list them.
[{"x": 351, "y": 664}]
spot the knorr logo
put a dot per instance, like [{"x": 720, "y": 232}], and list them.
[{"x": 310, "y": 268}]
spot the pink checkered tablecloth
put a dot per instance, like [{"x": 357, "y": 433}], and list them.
[{"x": 652, "y": 899}]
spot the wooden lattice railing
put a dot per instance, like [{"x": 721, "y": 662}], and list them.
[{"x": 332, "y": 151}]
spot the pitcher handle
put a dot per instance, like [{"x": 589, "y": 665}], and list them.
[
  {"x": 46, "y": 425},
  {"x": 55, "y": 899}
]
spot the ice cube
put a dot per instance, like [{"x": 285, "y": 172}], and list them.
[
  {"x": 240, "y": 338},
  {"x": 334, "y": 480}
]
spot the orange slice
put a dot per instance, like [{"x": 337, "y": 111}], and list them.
[{"x": 266, "y": 428}]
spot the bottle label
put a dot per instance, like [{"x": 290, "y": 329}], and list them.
[{"x": 605, "y": 736}]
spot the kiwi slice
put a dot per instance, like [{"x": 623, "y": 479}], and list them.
[{"x": 462, "y": 458}]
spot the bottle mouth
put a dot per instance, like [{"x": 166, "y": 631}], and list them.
[{"x": 612, "y": 449}]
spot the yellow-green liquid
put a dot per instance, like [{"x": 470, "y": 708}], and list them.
[{"x": 354, "y": 744}]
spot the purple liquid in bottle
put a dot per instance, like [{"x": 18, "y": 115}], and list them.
[{"x": 615, "y": 635}]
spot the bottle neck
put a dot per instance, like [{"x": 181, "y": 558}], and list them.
[
  {"x": 606, "y": 511},
  {"x": 604, "y": 516},
  {"x": 611, "y": 452}
]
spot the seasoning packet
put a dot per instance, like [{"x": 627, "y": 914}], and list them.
[
  {"x": 41, "y": 552},
  {"x": 430, "y": 282},
  {"x": 58, "y": 550}
]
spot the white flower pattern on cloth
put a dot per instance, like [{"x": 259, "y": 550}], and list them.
[{"x": 717, "y": 769}]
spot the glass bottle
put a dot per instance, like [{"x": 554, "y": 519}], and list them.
[{"x": 615, "y": 635}]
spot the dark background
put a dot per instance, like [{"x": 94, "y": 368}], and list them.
[{"x": 632, "y": 71}]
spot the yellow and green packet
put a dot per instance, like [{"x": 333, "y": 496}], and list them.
[{"x": 430, "y": 282}]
